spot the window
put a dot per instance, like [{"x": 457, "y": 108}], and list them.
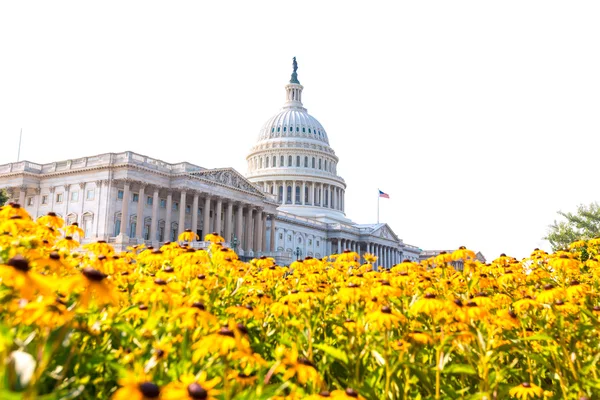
[
  {"x": 297, "y": 129},
  {"x": 280, "y": 195},
  {"x": 188, "y": 209},
  {"x": 313, "y": 162},
  {"x": 297, "y": 161},
  {"x": 309, "y": 130},
  {"x": 163, "y": 203},
  {"x": 59, "y": 197},
  {"x": 281, "y": 236},
  {"x": 30, "y": 201},
  {"x": 274, "y": 161},
  {"x": 305, "y": 162},
  {"x": 89, "y": 195},
  {"x": 297, "y": 194},
  {"x": 149, "y": 200},
  {"x": 319, "y": 163},
  {"x": 175, "y": 206},
  {"x": 310, "y": 242},
  {"x": 278, "y": 129},
  {"x": 120, "y": 195},
  {"x": 267, "y": 162},
  {"x": 74, "y": 196},
  {"x": 289, "y": 195},
  {"x": 281, "y": 161},
  {"x": 135, "y": 198},
  {"x": 303, "y": 130},
  {"x": 289, "y": 238},
  {"x": 45, "y": 199},
  {"x": 87, "y": 226},
  {"x": 290, "y": 164},
  {"x": 284, "y": 128},
  {"x": 318, "y": 243},
  {"x": 325, "y": 165}
]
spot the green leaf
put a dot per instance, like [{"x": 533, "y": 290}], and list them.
[
  {"x": 333, "y": 352},
  {"x": 460, "y": 369}
]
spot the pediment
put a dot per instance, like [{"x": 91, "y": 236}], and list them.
[
  {"x": 385, "y": 232},
  {"x": 229, "y": 177}
]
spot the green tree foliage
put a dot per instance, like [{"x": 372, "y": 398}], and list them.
[
  {"x": 3, "y": 197},
  {"x": 583, "y": 224}
]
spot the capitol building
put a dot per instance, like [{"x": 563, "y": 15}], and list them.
[{"x": 290, "y": 204}]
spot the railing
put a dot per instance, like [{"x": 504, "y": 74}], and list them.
[
  {"x": 299, "y": 171},
  {"x": 100, "y": 160}
]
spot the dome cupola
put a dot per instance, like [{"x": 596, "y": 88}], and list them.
[{"x": 293, "y": 160}]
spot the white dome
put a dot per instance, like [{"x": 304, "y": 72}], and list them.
[{"x": 294, "y": 123}]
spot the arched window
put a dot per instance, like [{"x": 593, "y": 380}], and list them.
[
  {"x": 325, "y": 165},
  {"x": 71, "y": 219},
  {"x": 320, "y": 163},
  {"x": 326, "y": 199},
  {"x": 174, "y": 229},
  {"x": 274, "y": 161},
  {"x": 261, "y": 162},
  {"x": 88, "y": 219},
  {"x": 313, "y": 162},
  {"x": 147, "y": 225},
  {"x": 297, "y": 200},
  {"x": 290, "y": 164},
  {"x": 306, "y": 191},
  {"x": 306, "y": 162},
  {"x": 161, "y": 230},
  {"x": 281, "y": 161},
  {"x": 280, "y": 196},
  {"x": 297, "y": 161},
  {"x": 289, "y": 195},
  {"x": 117, "y": 224},
  {"x": 267, "y": 162}
]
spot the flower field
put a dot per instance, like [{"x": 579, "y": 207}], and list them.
[{"x": 178, "y": 323}]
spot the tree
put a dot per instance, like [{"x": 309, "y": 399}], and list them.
[
  {"x": 3, "y": 197},
  {"x": 583, "y": 224}
]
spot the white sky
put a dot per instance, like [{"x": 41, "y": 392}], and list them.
[{"x": 479, "y": 118}]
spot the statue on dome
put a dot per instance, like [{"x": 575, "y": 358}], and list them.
[{"x": 295, "y": 74}]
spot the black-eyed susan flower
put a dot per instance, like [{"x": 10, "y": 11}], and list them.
[
  {"x": 526, "y": 390},
  {"x": 137, "y": 386},
  {"x": 191, "y": 387},
  {"x": 17, "y": 274}
]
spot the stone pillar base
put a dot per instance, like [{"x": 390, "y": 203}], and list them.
[{"x": 121, "y": 238}]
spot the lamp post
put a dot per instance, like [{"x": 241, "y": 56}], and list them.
[
  {"x": 234, "y": 243},
  {"x": 297, "y": 253}
]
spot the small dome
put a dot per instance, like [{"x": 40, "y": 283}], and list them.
[{"x": 295, "y": 123}]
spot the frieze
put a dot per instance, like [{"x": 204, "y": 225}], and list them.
[{"x": 229, "y": 178}]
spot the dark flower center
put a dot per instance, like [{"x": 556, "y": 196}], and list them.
[
  {"x": 429, "y": 296},
  {"x": 93, "y": 274},
  {"x": 226, "y": 332},
  {"x": 54, "y": 256},
  {"x": 305, "y": 361},
  {"x": 149, "y": 390},
  {"x": 201, "y": 276},
  {"x": 325, "y": 393},
  {"x": 169, "y": 269},
  {"x": 548, "y": 287},
  {"x": 199, "y": 305},
  {"x": 526, "y": 384},
  {"x": 351, "y": 392},
  {"x": 196, "y": 391},
  {"x": 386, "y": 310},
  {"x": 52, "y": 214},
  {"x": 19, "y": 263},
  {"x": 160, "y": 282},
  {"x": 458, "y": 302},
  {"x": 143, "y": 307}
]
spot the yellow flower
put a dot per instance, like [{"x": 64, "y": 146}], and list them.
[
  {"x": 463, "y": 254},
  {"x": 190, "y": 387},
  {"x": 52, "y": 220},
  {"x": 136, "y": 386},
  {"x": 16, "y": 273},
  {"x": 93, "y": 286},
  {"x": 293, "y": 365},
  {"x": 428, "y": 305},
  {"x": 348, "y": 394},
  {"x": 214, "y": 238},
  {"x": 74, "y": 229},
  {"x": 384, "y": 319},
  {"x": 188, "y": 236},
  {"x": 526, "y": 390}
]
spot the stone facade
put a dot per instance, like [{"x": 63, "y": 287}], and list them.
[{"x": 290, "y": 205}]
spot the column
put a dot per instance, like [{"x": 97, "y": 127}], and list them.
[
  {"x": 167, "y": 237},
  {"x": 154, "y": 223},
  {"x": 239, "y": 224},
  {"x": 206, "y": 215},
  {"x": 139, "y": 224},
  {"x": 294, "y": 192},
  {"x": 333, "y": 197},
  {"x": 312, "y": 194},
  {"x": 339, "y": 246},
  {"x": 264, "y": 233},
  {"x": 258, "y": 231},
  {"x": 285, "y": 193},
  {"x": 23, "y": 193},
  {"x": 248, "y": 236},
  {"x": 229, "y": 222},
  {"x": 195, "y": 213},
  {"x": 321, "y": 195},
  {"x": 124, "y": 210},
  {"x": 273, "y": 234},
  {"x": 303, "y": 195},
  {"x": 81, "y": 201},
  {"x": 217, "y": 216},
  {"x": 343, "y": 200},
  {"x": 182, "y": 211}
]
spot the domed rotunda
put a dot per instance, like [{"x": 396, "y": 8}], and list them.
[{"x": 293, "y": 161}]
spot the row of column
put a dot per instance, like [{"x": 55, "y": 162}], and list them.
[
  {"x": 387, "y": 256},
  {"x": 250, "y": 235},
  {"x": 311, "y": 193}
]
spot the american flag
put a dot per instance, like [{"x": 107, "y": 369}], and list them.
[{"x": 384, "y": 195}]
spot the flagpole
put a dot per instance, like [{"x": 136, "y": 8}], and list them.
[
  {"x": 378, "y": 196},
  {"x": 19, "y": 151}
]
